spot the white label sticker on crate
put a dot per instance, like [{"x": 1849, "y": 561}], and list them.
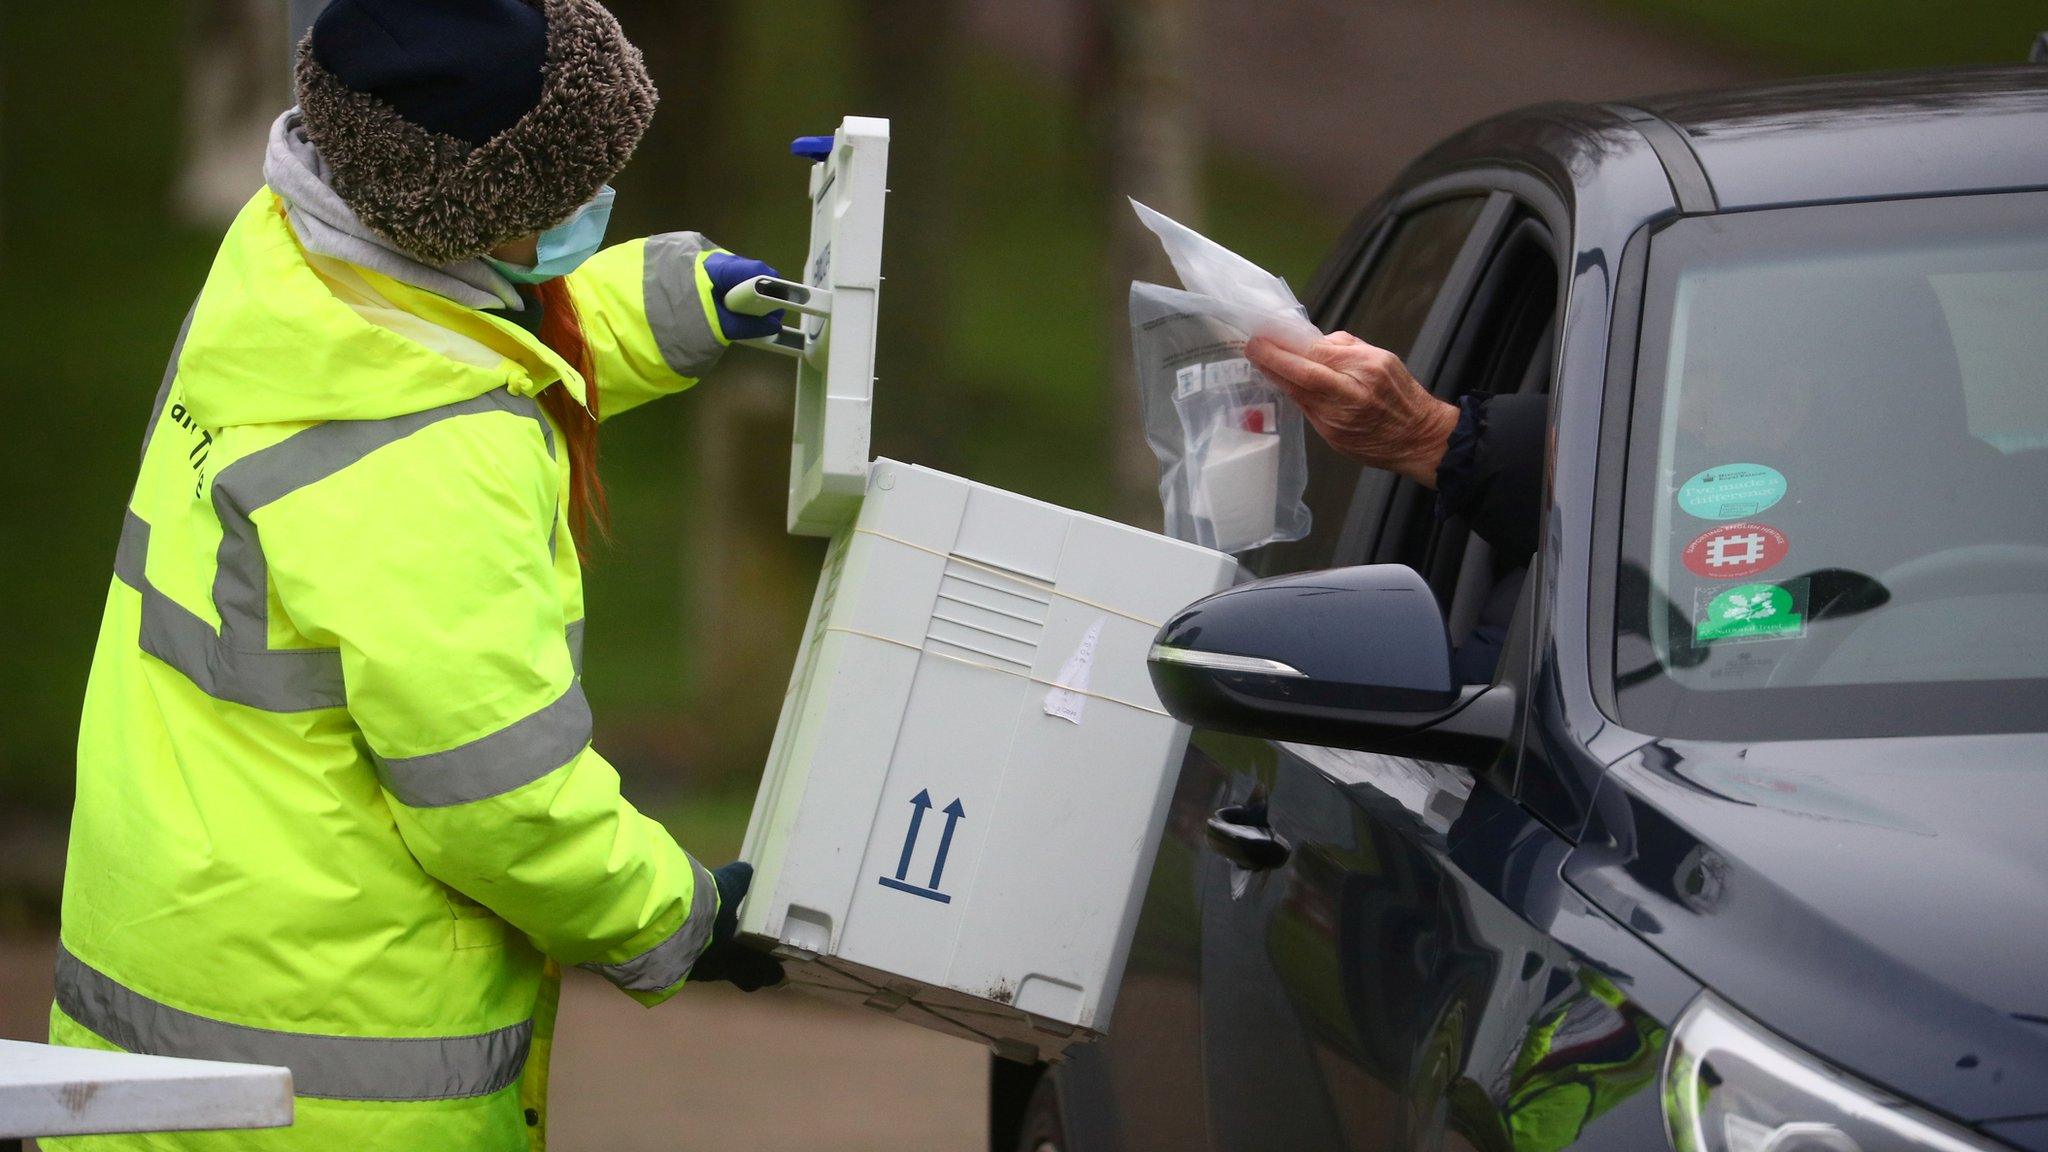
[{"x": 1067, "y": 699}]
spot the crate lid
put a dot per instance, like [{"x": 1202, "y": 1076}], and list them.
[
  {"x": 835, "y": 354},
  {"x": 58, "y": 1091}
]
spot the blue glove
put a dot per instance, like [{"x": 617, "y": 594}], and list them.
[
  {"x": 725, "y": 958},
  {"x": 727, "y": 270}
]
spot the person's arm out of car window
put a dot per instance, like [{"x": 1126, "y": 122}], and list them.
[{"x": 1483, "y": 456}]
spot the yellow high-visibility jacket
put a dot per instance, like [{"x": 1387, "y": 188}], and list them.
[{"x": 337, "y": 805}]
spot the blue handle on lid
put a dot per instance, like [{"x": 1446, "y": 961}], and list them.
[{"x": 812, "y": 148}]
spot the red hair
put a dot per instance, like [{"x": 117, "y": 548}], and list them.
[{"x": 562, "y": 331}]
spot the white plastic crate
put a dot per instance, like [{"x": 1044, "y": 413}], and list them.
[
  {"x": 971, "y": 771},
  {"x": 944, "y": 831}
]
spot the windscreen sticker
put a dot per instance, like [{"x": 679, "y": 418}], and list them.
[
  {"x": 1732, "y": 491},
  {"x": 1749, "y": 612},
  {"x": 1734, "y": 551}
]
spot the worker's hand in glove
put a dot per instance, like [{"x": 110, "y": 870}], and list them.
[
  {"x": 1364, "y": 401},
  {"x": 726, "y": 958},
  {"x": 726, "y": 270}
]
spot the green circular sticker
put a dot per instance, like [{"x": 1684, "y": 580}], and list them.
[
  {"x": 1732, "y": 491},
  {"x": 1750, "y": 612}
]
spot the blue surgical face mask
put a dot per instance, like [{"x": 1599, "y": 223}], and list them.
[{"x": 565, "y": 246}]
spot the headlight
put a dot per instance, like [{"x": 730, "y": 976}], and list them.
[{"x": 1730, "y": 1086}]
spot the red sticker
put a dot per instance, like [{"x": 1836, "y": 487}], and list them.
[{"x": 1733, "y": 551}]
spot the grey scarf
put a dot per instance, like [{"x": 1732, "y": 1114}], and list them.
[{"x": 327, "y": 225}]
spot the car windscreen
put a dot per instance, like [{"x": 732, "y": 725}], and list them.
[{"x": 1835, "y": 520}]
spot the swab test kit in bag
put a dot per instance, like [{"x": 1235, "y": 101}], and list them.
[
  {"x": 1233, "y": 461},
  {"x": 971, "y": 772}
]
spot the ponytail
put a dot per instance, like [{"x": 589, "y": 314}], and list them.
[{"x": 562, "y": 331}]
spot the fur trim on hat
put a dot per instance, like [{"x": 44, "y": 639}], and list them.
[{"x": 442, "y": 201}]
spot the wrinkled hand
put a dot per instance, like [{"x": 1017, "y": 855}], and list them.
[
  {"x": 1363, "y": 401},
  {"x": 726, "y": 270},
  {"x": 725, "y": 958}
]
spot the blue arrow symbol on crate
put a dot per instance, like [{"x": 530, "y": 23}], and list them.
[
  {"x": 920, "y": 802},
  {"x": 953, "y": 814}
]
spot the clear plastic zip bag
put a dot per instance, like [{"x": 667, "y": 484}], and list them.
[
  {"x": 1232, "y": 464},
  {"x": 1232, "y": 460}
]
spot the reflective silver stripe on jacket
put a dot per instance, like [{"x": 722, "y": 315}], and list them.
[
  {"x": 273, "y": 679},
  {"x": 262, "y": 478},
  {"x": 665, "y": 964},
  {"x": 331, "y": 1067},
  {"x": 575, "y": 636},
  {"x": 513, "y": 756},
  {"x": 675, "y": 311},
  {"x": 236, "y": 663}
]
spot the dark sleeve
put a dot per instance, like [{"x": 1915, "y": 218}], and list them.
[{"x": 1492, "y": 471}]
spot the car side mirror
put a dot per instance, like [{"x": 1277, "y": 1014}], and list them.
[{"x": 1348, "y": 658}]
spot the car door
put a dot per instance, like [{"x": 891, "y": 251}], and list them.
[
  {"x": 1299, "y": 1048},
  {"x": 1398, "y": 981}
]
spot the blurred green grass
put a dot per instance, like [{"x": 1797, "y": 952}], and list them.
[{"x": 94, "y": 276}]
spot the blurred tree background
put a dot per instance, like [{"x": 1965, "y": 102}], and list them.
[{"x": 130, "y": 130}]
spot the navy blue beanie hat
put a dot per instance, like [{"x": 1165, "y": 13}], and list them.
[
  {"x": 452, "y": 126},
  {"x": 464, "y": 68}
]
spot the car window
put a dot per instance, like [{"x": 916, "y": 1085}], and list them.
[
  {"x": 1836, "y": 518},
  {"x": 1396, "y": 297},
  {"x": 1406, "y": 276},
  {"x": 1504, "y": 343}
]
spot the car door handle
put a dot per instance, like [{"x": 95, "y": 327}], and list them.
[{"x": 1240, "y": 835}]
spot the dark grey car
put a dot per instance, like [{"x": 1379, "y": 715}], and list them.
[{"x": 1743, "y": 849}]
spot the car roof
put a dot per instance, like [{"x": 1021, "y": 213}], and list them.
[
  {"x": 1854, "y": 137},
  {"x": 1944, "y": 132}
]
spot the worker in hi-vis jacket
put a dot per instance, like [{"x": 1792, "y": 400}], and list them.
[{"x": 337, "y": 805}]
